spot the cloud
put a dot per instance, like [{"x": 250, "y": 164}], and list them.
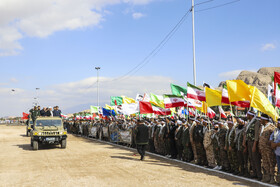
[
  {"x": 71, "y": 96},
  {"x": 137, "y": 15},
  {"x": 232, "y": 74},
  {"x": 268, "y": 47},
  {"x": 13, "y": 80},
  {"x": 33, "y": 18}
]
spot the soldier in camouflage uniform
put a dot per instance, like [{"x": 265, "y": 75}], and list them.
[
  {"x": 187, "y": 147},
  {"x": 232, "y": 149},
  {"x": 222, "y": 143},
  {"x": 268, "y": 156},
  {"x": 208, "y": 145},
  {"x": 193, "y": 124},
  {"x": 242, "y": 155},
  {"x": 252, "y": 139},
  {"x": 216, "y": 146},
  {"x": 198, "y": 135}
]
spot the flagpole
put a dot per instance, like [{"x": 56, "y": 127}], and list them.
[
  {"x": 97, "y": 68},
  {"x": 193, "y": 31}
]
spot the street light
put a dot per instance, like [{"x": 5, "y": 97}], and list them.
[
  {"x": 37, "y": 96},
  {"x": 97, "y": 68}
]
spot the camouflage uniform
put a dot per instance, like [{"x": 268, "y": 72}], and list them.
[
  {"x": 178, "y": 139},
  {"x": 198, "y": 135},
  {"x": 242, "y": 155},
  {"x": 192, "y": 142},
  {"x": 252, "y": 134},
  {"x": 232, "y": 154},
  {"x": 267, "y": 153},
  {"x": 208, "y": 146},
  {"x": 187, "y": 150},
  {"x": 216, "y": 148},
  {"x": 223, "y": 153},
  {"x": 156, "y": 138}
]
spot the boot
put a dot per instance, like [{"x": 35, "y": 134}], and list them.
[
  {"x": 266, "y": 178},
  {"x": 272, "y": 180}
]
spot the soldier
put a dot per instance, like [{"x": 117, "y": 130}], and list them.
[
  {"x": 193, "y": 124},
  {"x": 208, "y": 146},
  {"x": 198, "y": 135},
  {"x": 275, "y": 144},
  {"x": 242, "y": 155},
  {"x": 222, "y": 143},
  {"x": 231, "y": 147},
  {"x": 187, "y": 147},
  {"x": 252, "y": 139},
  {"x": 171, "y": 139},
  {"x": 268, "y": 157},
  {"x": 216, "y": 146},
  {"x": 156, "y": 136},
  {"x": 34, "y": 113}
]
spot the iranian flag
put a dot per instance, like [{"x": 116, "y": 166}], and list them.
[
  {"x": 195, "y": 93},
  {"x": 210, "y": 113},
  {"x": 191, "y": 112},
  {"x": 276, "y": 80},
  {"x": 192, "y": 103},
  {"x": 172, "y": 101},
  {"x": 161, "y": 111},
  {"x": 277, "y": 96},
  {"x": 222, "y": 112},
  {"x": 225, "y": 100}
]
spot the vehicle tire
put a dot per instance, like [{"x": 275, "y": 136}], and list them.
[
  {"x": 35, "y": 145},
  {"x": 63, "y": 144}
]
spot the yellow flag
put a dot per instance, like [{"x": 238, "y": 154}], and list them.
[
  {"x": 238, "y": 90},
  {"x": 128, "y": 100},
  {"x": 173, "y": 110},
  {"x": 109, "y": 107},
  {"x": 213, "y": 97},
  {"x": 260, "y": 102},
  {"x": 157, "y": 100},
  {"x": 204, "y": 107}
]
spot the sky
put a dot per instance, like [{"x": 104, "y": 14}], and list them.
[{"x": 55, "y": 45}]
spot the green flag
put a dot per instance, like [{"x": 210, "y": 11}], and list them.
[
  {"x": 157, "y": 100},
  {"x": 93, "y": 109},
  {"x": 116, "y": 100},
  {"x": 178, "y": 90}
]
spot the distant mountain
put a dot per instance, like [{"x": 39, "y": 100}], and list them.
[{"x": 260, "y": 79}]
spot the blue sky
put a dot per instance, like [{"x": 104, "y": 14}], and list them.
[{"x": 55, "y": 45}]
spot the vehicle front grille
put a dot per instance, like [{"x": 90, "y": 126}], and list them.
[{"x": 50, "y": 133}]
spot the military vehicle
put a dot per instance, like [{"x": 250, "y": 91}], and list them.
[
  {"x": 48, "y": 130},
  {"x": 29, "y": 126}
]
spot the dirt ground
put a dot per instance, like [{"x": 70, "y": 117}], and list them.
[{"x": 90, "y": 163}]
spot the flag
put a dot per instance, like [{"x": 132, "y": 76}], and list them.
[
  {"x": 145, "y": 107},
  {"x": 277, "y": 96},
  {"x": 213, "y": 97},
  {"x": 139, "y": 98},
  {"x": 157, "y": 100},
  {"x": 94, "y": 109},
  {"x": 128, "y": 100},
  {"x": 192, "y": 103},
  {"x": 146, "y": 98},
  {"x": 225, "y": 100},
  {"x": 195, "y": 93},
  {"x": 109, "y": 107},
  {"x": 276, "y": 80},
  {"x": 222, "y": 112},
  {"x": 172, "y": 101},
  {"x": 161, "y": 111},
  {"x": 107, "y": 112},
  {"x": 203, "y": 108},
  {"x": 178, "y": 90},
  {"x": 128, "y": 109},
  {"x": 238, "y": 90},
  {"x": 25, "y": 115},
  {"x": 191, "y": 112},
  {"x": 88, "y": 116},
  {"x": 116, "y": 100},
  {"x": 269, "y": 93},
  {"x": 210, "y": 113},
  {"x": 260, "y": 102}
]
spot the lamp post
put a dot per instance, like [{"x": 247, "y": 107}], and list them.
[
  {"x": 193, "y": 31},
  {"x": 37, "y": 96},
  {"x": 97, "y": 68}
]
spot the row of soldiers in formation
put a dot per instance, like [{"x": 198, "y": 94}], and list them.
[{"x": 248, "y": 147}]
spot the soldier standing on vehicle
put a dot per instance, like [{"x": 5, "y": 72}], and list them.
[
  {"x": 142, "y": 138},
  {"x": 34, "y": 113},
  {"x": 56, "y": 111}
]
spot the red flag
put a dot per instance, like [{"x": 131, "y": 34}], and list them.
[
  {"x": 276, "y": 80},
  {"x": 24, "y": 115},
  {"x": 145, "y": 107}
]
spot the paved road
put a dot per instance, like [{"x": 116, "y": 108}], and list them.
[{"x": 90, "y": 163}]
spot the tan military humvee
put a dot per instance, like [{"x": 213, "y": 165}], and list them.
[{"x": 48, "y": 130}]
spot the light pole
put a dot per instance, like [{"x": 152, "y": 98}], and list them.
[
  {"x": 194, "y": 65},
  {"x": 97, "y": 68},
  {"x": 37, "y": 96}
]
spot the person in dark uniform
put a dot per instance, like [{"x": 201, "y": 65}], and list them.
[{"x": 142, "y": 137}]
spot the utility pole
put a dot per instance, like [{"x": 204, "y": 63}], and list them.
[
  {"x": 194, "y": 65},
  {"x": 97, "y": 68},
  {"x": 37, "y": 96}
]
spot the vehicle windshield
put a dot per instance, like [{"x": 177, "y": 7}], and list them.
[
  {"x": 43, "y": 123},
  {"x": 31, "y": 122}
]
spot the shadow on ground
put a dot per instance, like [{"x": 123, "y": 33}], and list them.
[{"x": 27, "y": 147}]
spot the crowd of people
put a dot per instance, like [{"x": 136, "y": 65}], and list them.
[
  {"x": 248, "y": 146},
  {"x": 36, "y": 111}
]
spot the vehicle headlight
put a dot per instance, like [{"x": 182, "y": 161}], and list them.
[
  {"x": 35, "y": 133},
  {"x": 65, "y": 132},
  {"x": 60, "y": 133},
  {"x": 39, "y": 133}
]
